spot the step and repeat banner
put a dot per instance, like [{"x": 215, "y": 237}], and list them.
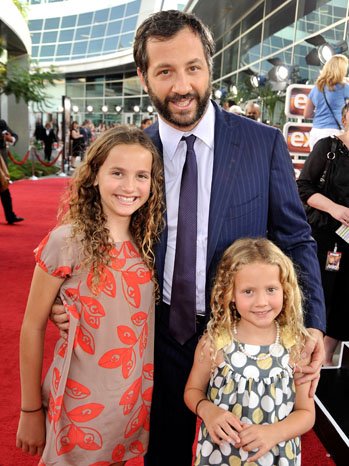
[{"x": 297, "y": 133}]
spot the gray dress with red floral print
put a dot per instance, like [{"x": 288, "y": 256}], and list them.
[{"x": 98, "y": 389}]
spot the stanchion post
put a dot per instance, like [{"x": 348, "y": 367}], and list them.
[{"x": 32, "y": 156}]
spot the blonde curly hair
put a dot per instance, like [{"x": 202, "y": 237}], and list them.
[
  {"x": 248, "y": 251},
  {"x": 333, "y": 72},
  {"x": 81, "y": 205}
]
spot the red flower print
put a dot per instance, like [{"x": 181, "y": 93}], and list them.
[
  {"x": 118, "y": 453},
  {"x": 76, "y": 390},
  {"x": 85, "y": 412}
]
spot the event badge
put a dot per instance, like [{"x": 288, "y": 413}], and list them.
[{"x": 333, "y": 260}]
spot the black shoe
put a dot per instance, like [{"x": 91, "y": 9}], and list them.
[{"x": 15, "y": 220}]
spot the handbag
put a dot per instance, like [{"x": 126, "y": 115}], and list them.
[
  {"x": 317, "y": 218},
  {"x": 4, "y": 181},
  {"x": 330, "y": 109}
]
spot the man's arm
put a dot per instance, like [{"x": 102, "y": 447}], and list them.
[{"x": 289, "y": 229}]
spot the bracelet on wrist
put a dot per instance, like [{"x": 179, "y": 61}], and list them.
[
  {"x": 31, "y": 410},
  {"x": 198, "y": 404}
]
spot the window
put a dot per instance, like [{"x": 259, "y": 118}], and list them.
[
  {"x": 98, "y": 30},
  {"x": 80, "y": 48},
  {"x": 50, "y": 36},
  {"x": 129, "y": 24},
  {"x": 47, "y": 51},
  {"x": 84, "y": 19},
  {"x": 126, "y": 41},
  {"x": 66, "y": 36},
  {"x": 113, "y": 28},
  {"x": 64, "y": 49},
  {"x": 101, "y": 16},
  {"x": 95, "y": 46},
  {"x": 35, "y": 25},
  {"x": 52, "y": 23},
  {"x": 68, "y": 21},
  {"x": 117, "y": 12},
  {"x": 132, "y": 8}
]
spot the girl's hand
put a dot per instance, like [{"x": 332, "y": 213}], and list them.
[
  {"x": 221, "y": 425},
  {"x": 257, "y": 437},
  {"x": 31, "y": 433}
]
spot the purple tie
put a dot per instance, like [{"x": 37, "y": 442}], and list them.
[{"x": 183, "y": 297}]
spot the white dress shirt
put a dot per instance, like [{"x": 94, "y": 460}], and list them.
[{"x": 174, "y": 153}]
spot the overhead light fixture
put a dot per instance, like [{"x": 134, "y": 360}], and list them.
[
  {"x": 89, "y": 108},
  {"x": 325, "y": 52},
  {"x": 254, "y": 81},
  {"x": 118, "y": 108},
  {"x": 218, "y": 93},
  {"x": 233, "y": 89},
  {"x": 322, "y": 51},
  {"x": 75, "y": 108},
  {"x": 278, "y": 73},
  {"x": 104, "y": 108},
  {"x": 150, "y": 109},
  {"x": 136, "y": 109},
  {"x": 60, "y": 109}
]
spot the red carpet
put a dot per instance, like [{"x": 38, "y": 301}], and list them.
[{"x": 37, "y": 202}]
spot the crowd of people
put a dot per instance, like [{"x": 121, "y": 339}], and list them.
[{"x": 170, "y": 310}]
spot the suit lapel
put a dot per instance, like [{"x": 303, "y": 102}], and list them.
[{"x": 227, "y": 154}]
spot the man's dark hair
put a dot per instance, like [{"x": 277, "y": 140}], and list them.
[{"x": 163, "y": 26}]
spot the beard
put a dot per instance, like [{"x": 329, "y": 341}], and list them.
[{"x": 186, "y": 118}]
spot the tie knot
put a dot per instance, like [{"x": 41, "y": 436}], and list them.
[{"x": 190, "y": 141}]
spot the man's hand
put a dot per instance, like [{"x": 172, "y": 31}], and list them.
[
  {"x": 60, "y": 318},
  {"x": 314, "y": 349}
]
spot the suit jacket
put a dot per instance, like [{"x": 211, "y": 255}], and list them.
[
  {"x": 5, "y": 127},
  {"x": 254, "y": 194}
]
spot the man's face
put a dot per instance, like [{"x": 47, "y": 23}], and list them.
[
  {"x": 178, "y": 79},
  {"x": 252, "y": 112}
]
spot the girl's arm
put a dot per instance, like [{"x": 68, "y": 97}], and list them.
[
  {"x": 299, "y": 421},
  {"x": 309, "y": 109},
  {"x": 219, "y": 422},
  {"x": 31, "y": 428}
]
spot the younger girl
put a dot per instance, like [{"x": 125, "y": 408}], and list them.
[
  {"x": 253, "y": 413},
  {"x": 96, "y": 396}
]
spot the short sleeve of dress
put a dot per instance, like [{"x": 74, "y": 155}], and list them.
[{"x": 55, "y": 253}]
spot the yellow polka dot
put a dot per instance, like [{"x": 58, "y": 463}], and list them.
[
  {"x": 265, "y": 363},
  {"x": 289, "y": 450},
  {"x": 237, "y": 410},
  {"x": 234, "y": 461},
  {"x": 204, "y": 432},
  {"x": 197, "y": 461},
  {"x": 229, "y": 388},
  {"x": 272, "y": 391},
  {"x": 213, "y": 393},
  {"x": 257, "y": 416}
]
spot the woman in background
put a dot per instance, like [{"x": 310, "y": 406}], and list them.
[
  {"x": 327, "y": 98},
  {"x": 334, "y": 211}
]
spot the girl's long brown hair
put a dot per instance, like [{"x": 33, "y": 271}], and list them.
[{"x": 81, "y": 205}]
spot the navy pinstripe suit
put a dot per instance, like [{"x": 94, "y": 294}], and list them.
[{"x": 253, "y": 193}]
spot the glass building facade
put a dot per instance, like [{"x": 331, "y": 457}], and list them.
[
  {"x": 91, "y": 47},
  {"x": 254, "y": 37}
]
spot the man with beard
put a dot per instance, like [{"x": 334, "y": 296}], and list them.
[{"x": 244, "y": 186}]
